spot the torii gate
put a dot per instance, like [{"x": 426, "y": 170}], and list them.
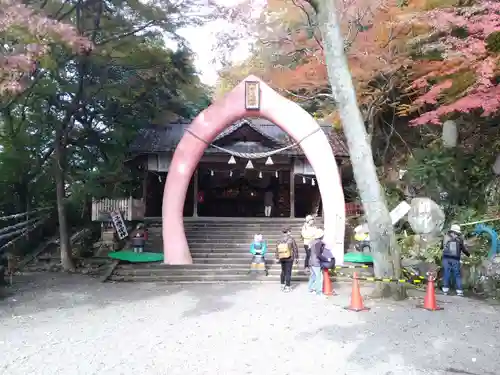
[{"x": 251, "y": 98}]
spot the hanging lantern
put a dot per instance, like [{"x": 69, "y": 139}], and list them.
[
  {"x": 211, "y": 173},
  {"x": 276, "y": 174},
  {"x": 313, "y": 183},
  {"x": 269, "y": 161},
  {"x": 249, "y": 165},
  {"x": 232, "y": 160},
  {"x": 260, "y": 174},
  {"x": 230, "y": 173},
  {"x": 303, "y": 180}
]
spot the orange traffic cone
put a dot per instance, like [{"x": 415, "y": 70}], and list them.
[
  {"x": 356, "y": 299},
  {"x": 430, "y": 298},
  {"x": 327, "y": 284}
]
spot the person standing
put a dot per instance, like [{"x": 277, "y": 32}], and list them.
[
  {"x": 453, "y": 246},
  {"x": 139, "y": 239},
  {"x": 287, "y": 253},
  {"x": 315, "y": 284},
  {"x": 258, "y": 248},
  {"x": 268, "y": 203},
  {"x": 308, "y": 234}
]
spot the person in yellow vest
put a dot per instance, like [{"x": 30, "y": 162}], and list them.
[
  {"x": 308, "y": 234},
  {"x": 362, "y": 238}
]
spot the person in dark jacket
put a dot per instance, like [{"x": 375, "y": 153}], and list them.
[
  {"x": 287, "y": 253},
  {"x": 268, "y": 203},
  {"x": 315, "y": 284},
  {"x": 139, "y": 239},
  {"x": 453, "y": 246}
]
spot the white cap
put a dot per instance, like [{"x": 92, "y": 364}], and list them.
[
  {"x": 257, "y": 238},
  {"x": 455, "y": 228},
  {"x": 309, "y": 218},
  {"x": 319, "y": 234}
]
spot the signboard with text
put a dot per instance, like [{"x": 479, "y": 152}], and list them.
[{"x": 119, "y": 224}]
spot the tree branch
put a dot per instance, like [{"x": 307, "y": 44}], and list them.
[{"x": 129, "y": 33}]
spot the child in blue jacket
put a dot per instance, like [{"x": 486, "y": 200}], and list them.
[{"x": 258, "y": 249}]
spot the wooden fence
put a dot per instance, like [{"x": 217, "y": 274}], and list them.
[{"x": 131, "y": 209}]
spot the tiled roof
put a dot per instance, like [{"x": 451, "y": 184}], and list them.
[{"x": 164, "y": 138}]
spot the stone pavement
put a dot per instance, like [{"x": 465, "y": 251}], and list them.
[{"x": 71, "y": 325}]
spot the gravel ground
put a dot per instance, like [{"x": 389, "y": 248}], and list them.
[{"x": 71, "y": 324}]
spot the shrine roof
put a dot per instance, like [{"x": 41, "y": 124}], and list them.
[{"x": 164, "y": 138}]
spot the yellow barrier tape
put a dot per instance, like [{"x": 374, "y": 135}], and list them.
[
  {"x": 384, "y": 279},
  {"x": 352, "y": 267}
]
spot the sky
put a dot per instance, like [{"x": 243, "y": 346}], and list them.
[{"x": 202, "y": 40}]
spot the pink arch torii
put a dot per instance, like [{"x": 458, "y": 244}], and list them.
[{"x": 292, "y": 119}]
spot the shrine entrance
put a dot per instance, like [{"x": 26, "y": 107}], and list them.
[
  {"x": 240, "y": 193},
  {"x": 250, "y": 99}
]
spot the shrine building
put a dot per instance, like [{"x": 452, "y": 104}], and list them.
[{"x": 247, "y": 159}]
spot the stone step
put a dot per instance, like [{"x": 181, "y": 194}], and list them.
[
  {"x": 226, "y": 238},
  {"x": 240, "y": 231},
  {"x": 202, "y": 278},
  {"x": 243, "y": 255},
  {"x": 263, "y": 223},
  {"x": 233, "y": 224},
  {"x": 228, "y": 241},
  {"x": 232, "y": 231},
  {"x": 232, "y": 234},
  {"x": 233, "y": 248},
  {"x": 232, "y": 263},
  {"x": 274, "y": 226},
  {"x": 226, "y": 245},
  {"x": 184, "y": 267},
  {"x": 243, "y": 220},
  {"x": 200, "y": 271},
  {"x": 228, "y": 260}
]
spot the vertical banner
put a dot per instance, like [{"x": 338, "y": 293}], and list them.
[{"x": 119, "y": 224}]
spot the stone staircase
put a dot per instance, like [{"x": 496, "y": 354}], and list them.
[{"x": 220, "y": 250}]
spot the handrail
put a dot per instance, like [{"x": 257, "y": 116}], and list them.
[
  {"x": 22, "y": 232},
  {"x": 16, "y": 216},
  {"x": 17, "y": 226}
]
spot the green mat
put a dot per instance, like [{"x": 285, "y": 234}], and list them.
[
  {"x": 358, "y": 258},
  {"x": 130, "y": 256}
]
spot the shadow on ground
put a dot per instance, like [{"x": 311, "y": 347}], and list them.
[{"x": 37, "y": 292}]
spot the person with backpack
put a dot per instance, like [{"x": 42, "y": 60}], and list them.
[
  {"x": 287, "y": 253},
  {"x": 321, "y": 258},
  {"x": 258, "y": 248},
  {"x": 453, "y": 246}
]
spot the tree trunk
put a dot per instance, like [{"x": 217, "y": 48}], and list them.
[
  {"x": 386, "y": 257},
  {"x": 59, "y": 171}
]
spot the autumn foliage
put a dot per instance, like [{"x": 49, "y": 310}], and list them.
[
  {"x": 27, "y": 36},
  {"x": 461, "y": 69},
  {"x": 292, "y": 60},
  {"x": 428, "y": 59}
]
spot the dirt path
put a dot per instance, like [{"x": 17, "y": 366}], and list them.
[{"x": 62, "y": 324}]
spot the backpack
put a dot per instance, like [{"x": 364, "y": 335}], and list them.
[
  {"x": 257, "y": 246},
  {"x": 327, "y": 254},
  {"x": 284, "y": 251},
  {"x": 452, "y": 247}
]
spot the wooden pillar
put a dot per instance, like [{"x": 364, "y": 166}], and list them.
[
  {"x": 292, "y": 191},
  {"x": 145, "y": 187},
  {"x": 195, "y": 193}
]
